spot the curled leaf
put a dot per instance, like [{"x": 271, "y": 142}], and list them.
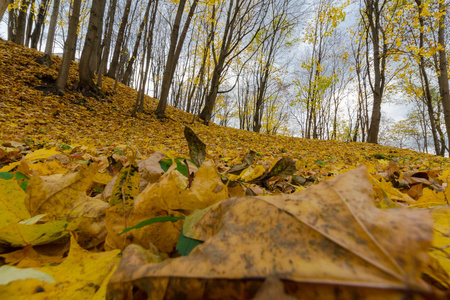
[
  {"x": 197, "y": 149},
  {"x": 247, "y": 161}
]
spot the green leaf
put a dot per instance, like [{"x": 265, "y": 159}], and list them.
[
  {"x": 185, "y": 244},
  {"x": 165, "y": 164},
  {"x": 6, "y": 175},
  {"x": 66, "y": 147},
  {"x": 98, "y": 189},
  {"x": 320, "y": 162},
  {"x": 117, "y": 151},
  {"x": 23, "y": 185},
  {"x": 153, "y": 221},
  {"x": 20, "y": 176},
  {"x": 181, "y": 167}
]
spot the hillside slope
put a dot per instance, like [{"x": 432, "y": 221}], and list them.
[
  {"x": 29, "y": 113},
  {"x": 73, "y": 169}
]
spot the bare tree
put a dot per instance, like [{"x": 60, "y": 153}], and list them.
[
  {"x": 176, "y": 44},
  {"x": 127, "y": 75},
  {"x": 105, "y": 47},
  {"x": 119, "y": 42},
  {"x": 46, "y": 59},
  {"x": 21, "y": 23},
  {"x": 69, "y": 49},
  {"x": 39, "y": 23},
  {"x": 86, "y": 72},
  {"x": 244, "y": 21}
]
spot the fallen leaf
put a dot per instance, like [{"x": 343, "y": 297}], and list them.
[
  {"x": 333, "y": 224},
  {"x": 79, "y": 276},
  {"x": 246, "y": 162},
  {"x": 150, "y": 169},
  {"x": 165, "y": 198},
  {"x": 9, "y": 274},
  {"x": 197, "y": 149}
]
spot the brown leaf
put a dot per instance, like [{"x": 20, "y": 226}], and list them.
[
  {"x": 330, "y": 235},
  {"x": 247, "y": 161},
  {"x": 197, "y": 149}
]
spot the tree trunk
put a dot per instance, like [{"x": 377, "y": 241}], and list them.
[
  {"x": 94, "y": 62},
  {"x": 176, "y": 45},
  {"x": 29, "y": 24},
  {"x": 105, "y": 48},
  {"x": 46, "y": 59},
  {"x": 39, "y": 22},
  {"x": 426, "y": 83},
  {"x": 127, "y": 75},
  {"x": 379, "y": 64},
  {"x": 69, "y": 49},
  {"x": 22, "y": 23},
  {"x": 3, "y": 7},
  {"x": 12, "y": 23},
  {"x": 443, "y": 72},
  {"x": 210, "y": 100},
  {"x": 86, "y": 73},
  {"x": 118, "y": 47},
  {"x": 148, "y": 45}
]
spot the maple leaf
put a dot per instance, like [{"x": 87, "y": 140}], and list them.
[{"x": 334, "y": 224}]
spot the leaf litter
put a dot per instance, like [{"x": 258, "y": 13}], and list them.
[{"x": 309, "y": 223}]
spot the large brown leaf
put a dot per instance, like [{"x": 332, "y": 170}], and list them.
[{"x": 331, "y": 235}]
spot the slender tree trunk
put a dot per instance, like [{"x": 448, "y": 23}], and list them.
[
  {"x": 106, "y": 43},
  {"x": 22, "y": 23},
  {"x": 139, "y": 105},
  {"x": 443, "y": 72},
  {"x": 176, "y": 45},
  {"x": 69, "y": 48},
  {"x": 425, "y": 81},
  {"x": 29, "y": 24},
  {"x": 46, "y": 59},
  {"x": 379, "y": 64},
  {"x": 39, "y": 22},
  {"x": 52, "y": 28},
  {"x": 210, "y": 100},
  {"x": 127, "y": 75},
  {"x": 118, "y": 47},
  {"x": 86, "y": 73},
  {"x": 12, "y": 24}
]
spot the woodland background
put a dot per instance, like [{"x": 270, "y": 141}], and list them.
[{"x": 313, "y": 69}]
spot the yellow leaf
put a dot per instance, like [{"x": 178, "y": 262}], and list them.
[
  {"x": 41, "y": 154},
  {"x": 126, "y": 187},
  {"x": 252, "y": 173},
  {"x": 48, "y": 168},
  {"x": 12, "y": 208},
  {"x": 163, "y": 198},
  {"x": 79, "y": 276},
  {"x": 102, "y": 178},
  {"x": 441, "y": 241},
  {"x": 21, "y": 235}
]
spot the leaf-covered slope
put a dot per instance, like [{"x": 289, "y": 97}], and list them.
[{"x": 29, "y": 113}]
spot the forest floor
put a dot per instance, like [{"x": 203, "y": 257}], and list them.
[{"x": 47, "y": 141}]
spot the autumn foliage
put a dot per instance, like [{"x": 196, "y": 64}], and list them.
[{"x": 227, "y": 213}]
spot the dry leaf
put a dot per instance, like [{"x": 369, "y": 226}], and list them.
[{"x": 330, "y": 234}]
